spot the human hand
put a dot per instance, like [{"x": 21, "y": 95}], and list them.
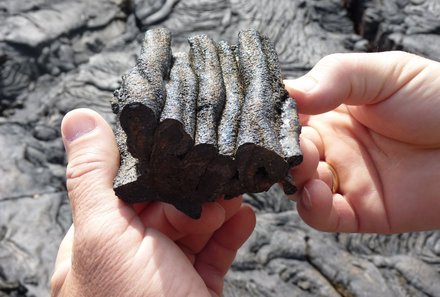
[
  {"x": 376, "y": 119},
  {"x": 147, "y": 249}
]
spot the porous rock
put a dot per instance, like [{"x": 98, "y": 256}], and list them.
[{"x": 216, "y": 121}]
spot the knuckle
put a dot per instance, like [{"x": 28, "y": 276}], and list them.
[
  {"x": 335, "y": 58},
  {"x": 82, "y": 172},
  {"x": 83, "y": 163},
  {"x": 88, "y": 183}
]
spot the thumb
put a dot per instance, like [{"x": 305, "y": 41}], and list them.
[
  {"x": 93, "y": 161},
  {"x": 353, "y": 79}
]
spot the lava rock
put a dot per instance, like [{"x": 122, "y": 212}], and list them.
[{"x": 216, "y": 121}]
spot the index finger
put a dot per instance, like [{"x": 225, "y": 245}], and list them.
[{"x": 353, "y": 79}]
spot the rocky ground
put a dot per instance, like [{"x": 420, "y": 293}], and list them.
[{"x": 57, "y": 55}]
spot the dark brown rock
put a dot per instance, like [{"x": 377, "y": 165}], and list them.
[{"x": 214, "y": 122}]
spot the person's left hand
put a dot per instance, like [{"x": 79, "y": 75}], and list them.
[{"x": 148, "y": 249}]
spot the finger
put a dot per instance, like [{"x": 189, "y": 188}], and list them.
[
  {"x": 307, "y": 169},
  {"x": 313, "y": 135},
  {"x": 325, "y": 174},
  {"x": 216, "y": 258},
  {"x": 353, "y": 79},
  {"x": 175, "y": 224},
  {"x": 139, "y": 207},
  {"x": 93, "y": 161},
  {"x": 213, "y": 216},
  {"x": 195, "y": 243},
  {"x": 303, "y": 119},
  {"x": 153, "y": 216},
  {"x": 325, "y": 211}
]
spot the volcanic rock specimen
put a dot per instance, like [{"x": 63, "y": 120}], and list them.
[{"x": 216, "y": 121}]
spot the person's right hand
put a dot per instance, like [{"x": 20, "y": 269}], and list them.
[
  {"x": 376, "y": 119},
  {"x": 147, "y": 249}
]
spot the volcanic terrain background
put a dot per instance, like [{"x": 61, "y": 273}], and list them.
[{"x": 58, "y": 55}]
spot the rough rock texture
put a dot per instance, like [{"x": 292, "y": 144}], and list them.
[
  {"x": 215, "y": 122},
  {"x": 66, "y": 61},
  {"x": 411, "y": 25}
]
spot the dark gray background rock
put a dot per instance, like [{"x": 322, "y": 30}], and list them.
[{"x": 57, "y": 55}]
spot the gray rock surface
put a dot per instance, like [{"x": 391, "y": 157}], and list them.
[
  {"x": 57, "y": 55},
  {"x": 411, "y": 25}
]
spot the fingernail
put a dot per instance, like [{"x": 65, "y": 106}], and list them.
[
  {"x": 74, "y": 129},
  {"x": 306, "y": 200},
  {"x": 304, "y": 84}
]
